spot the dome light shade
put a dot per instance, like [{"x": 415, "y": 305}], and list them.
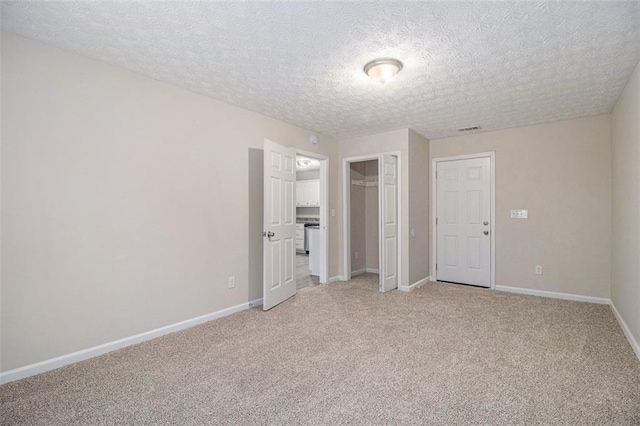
[
  {"x": 303, "y": 163},
  {"x": 383, "y": 69}
]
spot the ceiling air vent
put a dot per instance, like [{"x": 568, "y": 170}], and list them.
[{"x": 469, "y": 129}]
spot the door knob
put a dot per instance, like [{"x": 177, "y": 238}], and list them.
[
  {"x": 486, "y": 232},
  {"x": 268, "y": 234},
  {"x": 486, "y": 223}
]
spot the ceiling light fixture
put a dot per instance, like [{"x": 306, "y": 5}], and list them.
[
  {"x": 383, "y": 69},
  {"x": 303, "y": 163}
]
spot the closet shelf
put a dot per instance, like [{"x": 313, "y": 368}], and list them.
[{"x": 365, "y": 182}]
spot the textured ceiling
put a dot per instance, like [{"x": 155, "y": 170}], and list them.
[{"x": 491, "y": 64}]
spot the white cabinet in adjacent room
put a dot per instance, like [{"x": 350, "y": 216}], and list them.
[
  {"x": 300, "y": 237},
  {"x": 308, "y": 193},
  {"x": 314, "y": 250}
]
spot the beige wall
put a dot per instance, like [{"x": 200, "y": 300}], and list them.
[
  {"x": 126, "y": 202},
  {"x": 561, "y": 173},
  {"x": 419, "y": 181},
  {"x": 375, "y": 144},
  {"x": 625, "y": 135}
]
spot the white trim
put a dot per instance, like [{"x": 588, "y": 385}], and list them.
[
  {"x": 336, "y": 279},
  {"x": 367, "y": 157},
  {"x": 422, "y": 281},
  {"x": 346, "y": 210},
  {"x": 358, "y": 272},
  {"x": 324, "y": 210},
  {"x": 553, "y": 294},
  {"x": 434, "y": 242},
  {"x": 627, "y": 332},
  {"x": 372, "y": 270},
  {"x": 415, "y": 285},
  {"x": 381, "y": 261},
  {"x": 53, "y": 363}
]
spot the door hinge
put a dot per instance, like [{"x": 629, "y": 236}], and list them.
[
  {"x": 436, "y": 220},
  {"x": 436, "y": 175},
  {"x": 436, "y": 266}
]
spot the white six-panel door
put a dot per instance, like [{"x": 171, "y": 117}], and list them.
[
  {"x": 279, "y": 280},
  {"x": 389, "y": 217},
  {"x": 463, "y": 228}
]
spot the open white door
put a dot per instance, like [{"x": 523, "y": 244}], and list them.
[
  {"x": 324, "y": 219},
  {"x": 279, "y": 278},
  {"x": 389, "y": 218}
]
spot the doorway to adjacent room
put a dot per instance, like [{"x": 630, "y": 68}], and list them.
[{"x": 282, "y": 237}]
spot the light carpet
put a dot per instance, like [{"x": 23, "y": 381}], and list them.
[{"x": 345, "y": 354}]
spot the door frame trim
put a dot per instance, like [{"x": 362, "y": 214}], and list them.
[
  {"x": 434, "y": 240},
  {"x": 346, "y": 212},
  {"x": 324, "y": 209}
]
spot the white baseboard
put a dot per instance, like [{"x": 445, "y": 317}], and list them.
[
  {"x": 363, "y": 270},
  {"x": 53, "y": 363},
  {"x": 415, "y": 285},
  {"x": 553, "y": 294},
  {"x": 627, "y": 332},
  {"x": 358, "y": 272},
  {"x": 336, "y": 279}
]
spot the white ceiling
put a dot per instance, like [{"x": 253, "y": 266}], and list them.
[{"x": 491, "y": 64}]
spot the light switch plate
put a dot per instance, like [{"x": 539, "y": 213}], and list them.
[{"x": 519, "y": 214}]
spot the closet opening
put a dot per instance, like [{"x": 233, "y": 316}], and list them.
[
  {"x": 372, "y": 219},
  {"x": 364, "y": 221}
]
